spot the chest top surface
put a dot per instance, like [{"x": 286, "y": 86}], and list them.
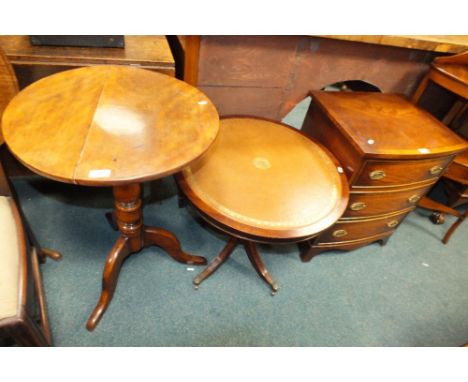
[
  {"x": 387, "y": 125},
  {"x": 108, "y": 125}
]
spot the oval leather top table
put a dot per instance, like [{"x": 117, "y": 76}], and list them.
[
  {"x": 112, "y": 126},
  {"x": 108, "y": 125},
  {"x": 263, "y": 181}
]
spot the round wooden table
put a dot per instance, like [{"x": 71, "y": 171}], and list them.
[
  {"x": 263, "y": 181},
  {"x": 112, "y": 126}
]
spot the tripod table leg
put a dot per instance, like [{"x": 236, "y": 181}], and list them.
[
  {"x": 167, "y": 241},
  {"x": 109, "y": 280}
]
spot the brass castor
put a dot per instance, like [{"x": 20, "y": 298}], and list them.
[{"x": 437, "y": 218}]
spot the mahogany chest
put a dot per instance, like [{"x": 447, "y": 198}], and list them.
[{"x": 392, "y": 153}]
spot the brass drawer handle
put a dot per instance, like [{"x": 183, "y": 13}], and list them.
[
  {"x": 340, "y": 233},
  {"x": 358, "y": 206},
  {"x": 377, "y": 174},
  {"x": 436, "y": 170},
  {"x": 392, "y": 223},
  {"x": 414, "y": 198}
]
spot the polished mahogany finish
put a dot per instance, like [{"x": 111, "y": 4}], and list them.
[
  {"x": 369, "y": 202},
  {"x": 112, "y": 126},
  {"x": 118, "y": 124},
  {"x": 392, "y": 153},
  {"x": 361, "y": 116},
  {"x": 264, "y": 182},
  {"x": 450, "y": 73}
]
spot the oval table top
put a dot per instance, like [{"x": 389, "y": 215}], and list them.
[
  {"x": 109, "y": 125},
  {"x": 266, "y": 180}
]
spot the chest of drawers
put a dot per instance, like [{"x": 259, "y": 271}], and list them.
[{"x": 392, "y": 154}]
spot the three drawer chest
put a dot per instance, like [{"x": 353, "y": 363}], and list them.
[{"x": 392, "y": 153}]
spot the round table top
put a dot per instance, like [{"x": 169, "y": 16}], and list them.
[
  {"x": 266, "y": 180},
  {"x": 109, "y": 125}
]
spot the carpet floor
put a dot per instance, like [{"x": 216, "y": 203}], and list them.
[{"x": 411, "y": 292}]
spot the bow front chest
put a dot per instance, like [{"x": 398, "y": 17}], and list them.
[{"x": 392, "y": 153}]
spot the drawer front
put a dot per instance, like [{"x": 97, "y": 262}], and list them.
[
  {"x": 382, "y": 202},
  {"x": 386, "y": 173},
  {"x": 344, "y": 231}
]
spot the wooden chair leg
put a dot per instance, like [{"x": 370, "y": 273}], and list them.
[
  {"x": 42, "y": 253},
  {"x": 43, "y": 318},
  {"x": 453, "y": 227},
  {"x": 420, "y": 90},
  {"x": 46, "y": 252},
  {"x": 430, "y": 204},
  {"x": 32, "y": 335}
]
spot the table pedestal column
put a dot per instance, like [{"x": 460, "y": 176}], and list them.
[{"x": 134, "y": 236}]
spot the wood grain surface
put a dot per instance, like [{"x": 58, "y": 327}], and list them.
[
  {"x": 436, "y": 43},
  {"x": 150, "y": 52},
  {"x": 387, "y": 125},
  {"x": 392, "y": 153},
  {"x": 109, "y": 125},
  {"x": 266, "y": 76}
]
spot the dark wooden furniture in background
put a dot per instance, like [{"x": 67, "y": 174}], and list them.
[
  {"x": 23, "y": 313},
  {"x": 451, "y": 73},
  {"x": 127, "y": 126},
  {"x": 266, "y": 76},
  {"x": 32, "y": 63},
  {"x": 392, "y": 153},
  {"x": 264, "y": 182},
  {"x": 433, "y": 43}
]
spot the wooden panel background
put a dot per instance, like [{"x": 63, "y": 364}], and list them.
[{"x": 267, "y": 76}]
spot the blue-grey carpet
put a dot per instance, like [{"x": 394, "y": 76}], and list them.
[{"x": 411, "y": 292}]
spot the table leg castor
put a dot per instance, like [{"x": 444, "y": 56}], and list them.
[{"x": 437, "y": 218}]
